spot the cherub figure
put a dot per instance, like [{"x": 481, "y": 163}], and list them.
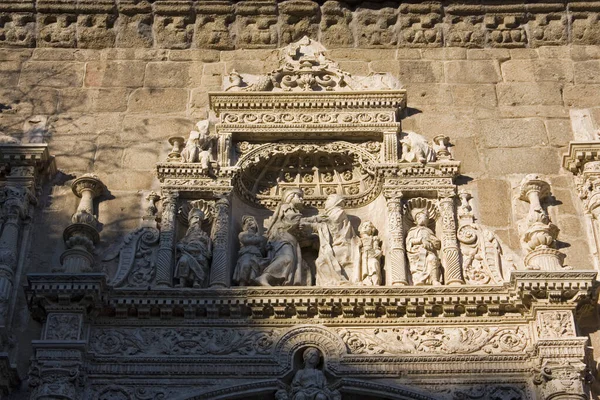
[{"x": 199, "y": 147}]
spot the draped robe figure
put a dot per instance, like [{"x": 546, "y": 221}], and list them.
[
  {"x": 422, "y": 248},
  {"x": 251, "y": 259},
  {"x": 195, "y": 253},
  {"x": 286, "y": 266},
  {"x": 339, "y": 247}
]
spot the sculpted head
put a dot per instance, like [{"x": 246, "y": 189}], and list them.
[
  {"x": 249, "y": 224},
  {"x": 293, "y": 197},
  {"x": 366, "y": 228},
  {"x": 311, "y": 356},
  {"x": 420, "y": 216},
  {"x": 334, "y": 200},
  {"x": 196, "y": 216}
]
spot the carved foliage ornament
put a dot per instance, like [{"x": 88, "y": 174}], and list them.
[
  {"x": 436, "y": 340},
  {"x": 182, "y": 341}
]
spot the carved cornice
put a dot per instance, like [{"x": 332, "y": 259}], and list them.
[
  {"x": 563, "y": 288},
  {"x": 579, "y": 154},
  {"x": 104, "y": 24}
]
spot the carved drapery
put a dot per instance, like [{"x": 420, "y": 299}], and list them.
[
  {"x": 220, "y": 273},
  {"x": 164, "y": 263},
  {"x": 396, "y": 255},
  {"x": 453, "y": 274}
]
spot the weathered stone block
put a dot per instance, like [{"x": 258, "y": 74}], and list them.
[
  {"x": 559, "y": 131},
  {"x": 419, "y": 71},
  {"x": 109, "y": 155},
  {"x": 94, "y": 100},
  {"x": 445, "y": 53},
  {"x": 488, "y": 54},
  {"x": 28, "y": 101},
  {"x": 537, "y": 70},
  {"x": 115, "y": 73},
  {"x": 428, "y": 94},
  {"x": 584, "y": 53},
  {"x": 523, "y": 54},
  {"x": 140, "y": 128},
  {"x": 581, "y": 95},
  {"x": 587, "y": 72},
  {"x": 522, "y": 93},
  {"x": 158, "y": 100},
  {"x": 133, "y": 180},
  {"x": 492, "y": 211},
  {"x": 362, "y": 54},
  {"x": 203, "y": 55},
  {"x": 474, "y": 95},
  {"x": 142, "y": 156},
  {"x": 475, "y": 71},
  {"x": 465, "y": 150},
  {"x": 512, "y": 133},
  {"x": 52, "y": 73},
  {"x": 539, "y": 160},
  {"x": 552, "y": 111},
  {"x": 84, "y": 125},
  {"x": 76, "y": 156},
  {"x": 166, "y": 74}
]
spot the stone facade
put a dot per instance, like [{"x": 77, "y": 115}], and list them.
[{"x": 298, "y": 200}]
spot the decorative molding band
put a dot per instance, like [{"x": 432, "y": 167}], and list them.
[{"x": 226, "y": 25}]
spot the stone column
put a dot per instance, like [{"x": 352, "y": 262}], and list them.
[
  {"x": 395, "y": 260},
  {"x": 390, "y": 147},
  {"x": 14, "y": 210},
  {"x": 453, "y": 274},
  {"x": 224, "y": 152},
  {"x": 220, "y": 274},
  {"x": 81, "y": 236},
  {"x": 164, "y": 264}
]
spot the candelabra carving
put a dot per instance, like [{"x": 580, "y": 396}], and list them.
[
  {"x": 538, "y": 233},
  {"x": 81, "y": 236}
]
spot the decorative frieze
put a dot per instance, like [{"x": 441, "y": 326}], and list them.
[{"x": 225, "y": 25}]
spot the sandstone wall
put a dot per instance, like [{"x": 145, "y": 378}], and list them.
[{"x": 507, "y": 111}]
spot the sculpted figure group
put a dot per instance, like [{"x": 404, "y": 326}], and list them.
[
  {"x": 275, "y": 259},
  {"x": 344, "y": 258}
]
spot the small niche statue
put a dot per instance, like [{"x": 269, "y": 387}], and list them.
[
  {"x": 309, "y": 383},
  {"x": 370, "y": 254},
  {"x": 251, "y": 259},
  {"x": 194, "y": 253},
  {"x": 422, "y": 247},
  {"x": 199, "y": 148}
]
